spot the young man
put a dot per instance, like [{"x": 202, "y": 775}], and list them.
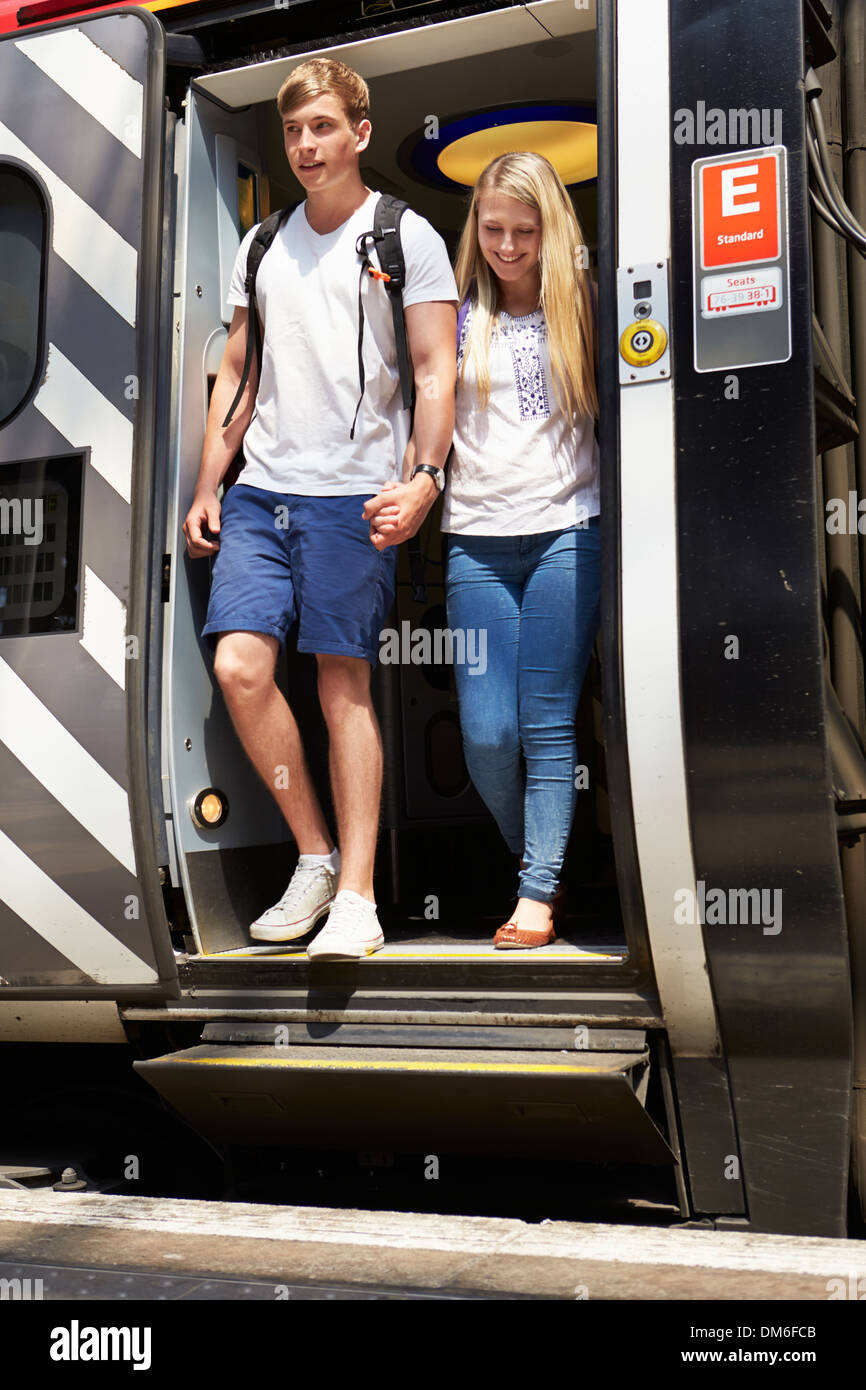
[{"x": 294, "y": 536}]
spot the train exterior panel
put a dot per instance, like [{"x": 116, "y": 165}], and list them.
[{"x": 704, "y": 1011}]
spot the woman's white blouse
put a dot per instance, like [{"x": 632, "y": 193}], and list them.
[{"x": 518, "y": 467}]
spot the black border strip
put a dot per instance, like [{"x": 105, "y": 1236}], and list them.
[{"x": 142, "y": 795}]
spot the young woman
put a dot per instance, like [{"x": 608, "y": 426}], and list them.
[{"x": 522, "y": 515}]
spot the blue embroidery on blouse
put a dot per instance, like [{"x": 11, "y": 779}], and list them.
[{"x": 523, "y": 338}]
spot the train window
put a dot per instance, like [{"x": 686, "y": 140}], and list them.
[
  {"x": 40, "y": 545},
  {"x": 23, "y": 227}
]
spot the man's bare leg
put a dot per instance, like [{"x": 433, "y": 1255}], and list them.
[
  {"x": 244, "y": 666},
  {"x": 355, "y": 761}
]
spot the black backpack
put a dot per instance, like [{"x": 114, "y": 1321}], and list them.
[{"x": 386, "y": 235}]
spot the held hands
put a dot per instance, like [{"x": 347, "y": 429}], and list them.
[
  {"x": 398, "y": 510},
  {"x": 204, "y": 513}
]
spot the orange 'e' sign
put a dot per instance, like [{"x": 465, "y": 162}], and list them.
[{"x": 740, "y": 211}]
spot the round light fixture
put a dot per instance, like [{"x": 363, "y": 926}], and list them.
[
  {"x": 209, "y": 809},
  {"x": 569, "y": 145},
  {"x": 454, "y": 153}
]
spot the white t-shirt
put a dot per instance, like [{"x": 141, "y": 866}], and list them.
[
  {"x": 518, "y": 467},
  {"x": 307, "y": 291}
]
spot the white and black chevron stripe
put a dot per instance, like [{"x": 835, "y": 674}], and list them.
[{"x": 72, "y": 101}]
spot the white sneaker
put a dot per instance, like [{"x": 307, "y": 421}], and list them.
[
  {"x": 351, "y": 932},
  {"x": 308, "y": 897}
]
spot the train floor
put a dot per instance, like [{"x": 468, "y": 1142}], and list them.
[{"x": 590, "y": 938}]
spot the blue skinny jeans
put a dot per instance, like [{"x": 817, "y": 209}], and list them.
[{"x": 537, "y": 600}]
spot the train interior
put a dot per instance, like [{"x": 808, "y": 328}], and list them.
[{"x": 444, "y": 878}]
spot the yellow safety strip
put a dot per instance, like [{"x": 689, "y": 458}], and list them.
[{"x": 504, "y": 1068}]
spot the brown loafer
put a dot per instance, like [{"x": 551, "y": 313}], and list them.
[{"x": 512, "y": 937}]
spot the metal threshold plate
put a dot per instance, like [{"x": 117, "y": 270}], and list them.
[{"x": 295, "y": 953}]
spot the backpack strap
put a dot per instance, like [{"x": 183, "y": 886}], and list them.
[
  {"x": 386, "y": 237},
  {"x": 464, "y": 309},
  {"x": 265, "y": 234},
  {"x": 386, "y": 229}
]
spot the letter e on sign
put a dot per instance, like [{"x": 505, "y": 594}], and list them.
[{"x": 739, "y": 201}]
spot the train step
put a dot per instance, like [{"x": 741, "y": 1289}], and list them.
[{"x": 588, "y": 1106}]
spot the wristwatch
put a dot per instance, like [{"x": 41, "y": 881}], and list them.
[{"x": 437, "y": 474}]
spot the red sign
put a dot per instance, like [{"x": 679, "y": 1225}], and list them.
[
  {"x": 18, "y": 15},
  {"x": 740, "y": 211}
]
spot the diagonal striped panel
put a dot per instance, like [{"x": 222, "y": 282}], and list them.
[
  {"x": 84, "y": 416},
  {"x": 89, "y": 76},
  {"x": 101, "y": 344},
  {"x": 57, "y": 917},
  {"x": 81, "y": 237},
  {"x": 102, "y": 171},
  {"x": 57, "y": 760},
  {"x": 104, "y": 627},
  {"x": 74, "y": 688},
  {"x": 60, "y": 846},
  {"x": 71, "y": 110},
  {"x": 42, "y": 963}
]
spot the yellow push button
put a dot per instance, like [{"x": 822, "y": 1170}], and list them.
[{"x": 643, "y": 342}]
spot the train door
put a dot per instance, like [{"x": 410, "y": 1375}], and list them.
[
  {"x": 81, "y": 204},
  {"x": 436, "y": 831},
  {"x": 231, "y": 172},
  {"x": 218, "y": 865}
]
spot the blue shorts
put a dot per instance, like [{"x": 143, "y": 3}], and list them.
[{"x": 283, "y": 556}]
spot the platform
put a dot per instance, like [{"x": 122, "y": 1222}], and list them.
[{"x": 283, "y": 1246}]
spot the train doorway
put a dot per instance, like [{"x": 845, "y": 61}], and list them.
[
  {"x": 445, "y": 880},
  {"x": 727, "y": 799}
]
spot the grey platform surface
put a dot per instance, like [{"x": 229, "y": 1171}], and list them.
[
  {"x": 237, "y": 1246},
  {"x": 76, "y": 1283}
]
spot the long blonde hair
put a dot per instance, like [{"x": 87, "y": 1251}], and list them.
[{"x": 565, "y": 284}]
